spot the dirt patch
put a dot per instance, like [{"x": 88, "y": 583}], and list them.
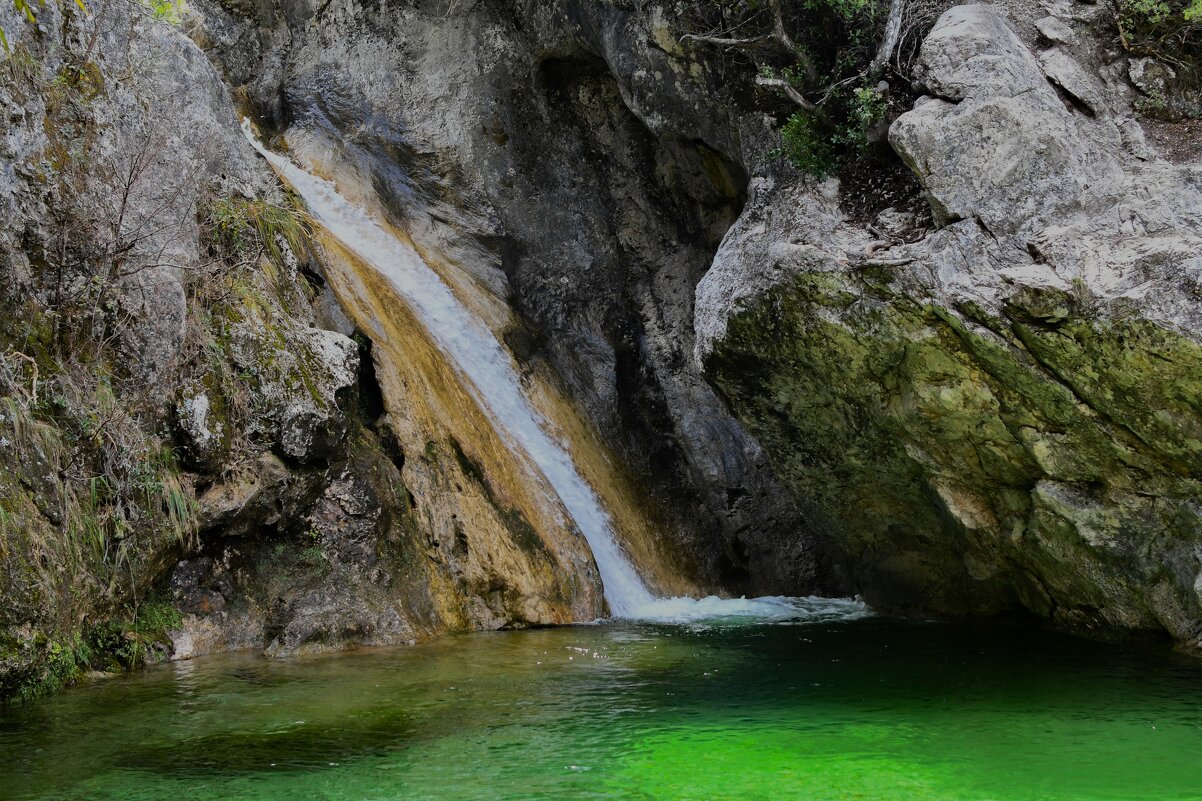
[
  {"x": 1178, "y": 142},
  {"x": 868, "y": 186}
]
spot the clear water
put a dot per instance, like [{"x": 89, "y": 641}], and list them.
[{"x": 831, "y": 710}]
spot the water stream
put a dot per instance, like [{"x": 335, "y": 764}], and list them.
[{"x": 493, "y": 380}]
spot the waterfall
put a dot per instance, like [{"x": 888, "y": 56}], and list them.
[
  {"x": 483, "y": 361},
  {"x": 493, "y": 380}
]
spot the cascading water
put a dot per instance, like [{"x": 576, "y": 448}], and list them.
[{"x": 493, "y": 381}]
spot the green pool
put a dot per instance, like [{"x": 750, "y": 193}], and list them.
[{"x": 842, "y": 709}]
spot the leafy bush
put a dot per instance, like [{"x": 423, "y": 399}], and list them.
[
  {"x": 1169, "y": 34},
  {"x": 847, "y": 9},
  {"x": 865, "y": 109},
  {"x": 807, "y": 145},
  {"x": 1170, "y": 30},
  {"x": 170, "y": 11},
  {"x": 1157, "y": 12},
  {"x": 823, "y": 56},
  {"x": 812, "y": 144}
]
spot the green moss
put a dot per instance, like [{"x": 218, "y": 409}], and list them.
[
  {"x": 1142, "y": 377},
  {"x": 132, "y": 637},
  {"x": 966, "y": 461},
  {"x": 48, "y": 665},
  {"x": 156, "y": 616},
  {"x": 312, "y": 555}
]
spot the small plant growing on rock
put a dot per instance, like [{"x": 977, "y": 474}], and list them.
[
  {"x": 251, "y": 229},
  {"x": 866, "y": 109},
  {"x": 807, "y": 146}
]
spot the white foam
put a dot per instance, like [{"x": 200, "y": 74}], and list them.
[{"x": 733, "y": 611}]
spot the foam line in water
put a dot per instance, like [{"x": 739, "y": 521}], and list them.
[
  {"x": 493, "y": 381},
  {"x": 734, "y": 611}
]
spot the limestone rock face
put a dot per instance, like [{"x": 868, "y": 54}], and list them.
[
  {"x": 301, "y": 380},
  {"x": 994, "y": 141},
  {"x": 187, "y": 417},
  {"x": 1005, "y": 413},
  {"x": 574, "y": 161}
]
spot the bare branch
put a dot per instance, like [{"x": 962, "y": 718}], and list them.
[
  {"x": 778, "y": 28},
  {"x": 778, "y": 35},
  {"x": 789, "y": 90},
  {"x": 722, "y": 41},
  {"x": 893, "y": 29}
]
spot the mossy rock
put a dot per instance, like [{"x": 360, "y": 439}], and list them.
[{"x": 1044, "y": 457}]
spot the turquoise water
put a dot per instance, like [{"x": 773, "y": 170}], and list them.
[{"x": 843, "y": 709}]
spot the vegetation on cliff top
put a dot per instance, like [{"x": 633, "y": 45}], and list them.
[
  {"x": 836, "y": 63},
  {"x": 843, "y": 66},
  {"x": 1167, "y": 37}
]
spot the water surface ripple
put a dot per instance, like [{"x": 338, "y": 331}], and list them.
[{"x": 816, "y": 708}]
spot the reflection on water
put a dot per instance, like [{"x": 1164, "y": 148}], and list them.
[{"x": 863, "y": 708}]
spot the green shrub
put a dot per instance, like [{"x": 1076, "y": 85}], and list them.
[
  {"x": 1158, "y": 12},
  {"x": 170, "y": 11},
  {"x": 1167, "y": 29},
  {"x": 865, "y": 108},
  {"x": 814, "y": 144},
  {"x": 814, "y": 53},
  {"x": 847, "y": 10},
  {"x": 807, "y": 146}
]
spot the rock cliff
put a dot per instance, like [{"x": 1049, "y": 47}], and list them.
[
  {"x": 1005, "y": 412},
  {"x": 974, "y": 390}
]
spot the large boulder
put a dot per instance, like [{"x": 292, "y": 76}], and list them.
[
  {"x": 1006, "y": 413},
  {"x": 993, "y": 141}
]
